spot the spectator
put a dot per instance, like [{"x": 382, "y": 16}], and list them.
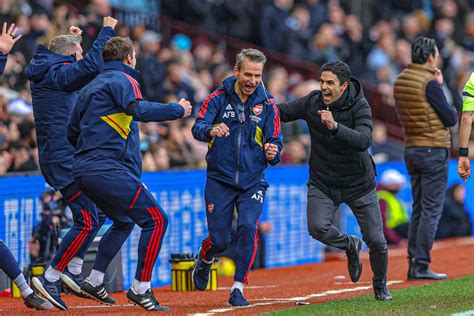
[
  {"x": 174, "y": 84},
  {"x": 294, "y": 153},
  {"x": 271, "y": 25},
  {"x": 394, "y": 214},
  {"x": 297, "y": 33},
  {"x": 46, "y": 232},
  {"x": 326, "y": 46},
  {"x": 455, "y": 220},
  {"x": 382, "y": 149},
  {"x": 151, "y": 69},
  {"x": 22, "y": 159}
]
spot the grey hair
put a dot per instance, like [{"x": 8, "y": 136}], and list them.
[
  {"x": 64, "y": 44},
  {"x": 252, "y": 54}
]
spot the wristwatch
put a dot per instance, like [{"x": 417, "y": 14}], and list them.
[{"x": 335, "y": 127}]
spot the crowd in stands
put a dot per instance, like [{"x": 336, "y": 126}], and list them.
[{"x": 373, "y": 37}]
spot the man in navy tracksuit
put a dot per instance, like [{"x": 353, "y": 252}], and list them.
[
  {"x": 241, "y": 124},
  {"x": 7, "y": 262},
  {"x": 56, "y": 74},
  {"x": 108, "y": 164}
]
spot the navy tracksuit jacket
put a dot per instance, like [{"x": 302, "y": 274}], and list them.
[
  {"x": 55, "y": 82},
  {"x": 235, "y": 168},
  {"x": 107, "y": 163}
]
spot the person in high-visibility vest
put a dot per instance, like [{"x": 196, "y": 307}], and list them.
[
  {"x": 394, "y": 214},
  {"x": 464, "y": 164}
]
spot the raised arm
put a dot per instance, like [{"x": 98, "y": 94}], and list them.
[
  {"x": 7, "y": 40},
  {"x": 74, "y": 76},
  {"x": 127, "y": 94}
]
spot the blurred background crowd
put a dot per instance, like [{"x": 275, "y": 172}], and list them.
[{"x": 373, "y": 37}]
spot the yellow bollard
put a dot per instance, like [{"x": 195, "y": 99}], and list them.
[
  {"x": 15, "y": 291},
  {"x": 35, "y": 271},
  {"x": 181, "y": 274}
]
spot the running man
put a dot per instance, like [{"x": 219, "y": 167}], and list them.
[
  {"x": 108, "y": 164},
  {"x": 241, "y": 124}
]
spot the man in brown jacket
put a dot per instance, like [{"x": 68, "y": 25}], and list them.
[{"x": 425, "y": 116}]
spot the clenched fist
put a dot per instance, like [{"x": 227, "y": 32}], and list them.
[
  {"x": 271, "y": 150},
  {"x": 220, "y": 130},
  {"x": 327, "y": 119},
  {"x": 186, "y": 106},
  {"x": 74, "y": 30},
  {"x": 110, "y": 21}
]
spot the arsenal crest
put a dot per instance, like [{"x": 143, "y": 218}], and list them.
[
  {"x": 257, "y": 109},
  {"x": 210, "y": 207}
]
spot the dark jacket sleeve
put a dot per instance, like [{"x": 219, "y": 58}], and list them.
[
  {"x": 126, "y": 93},
  {"x": 294, "y": 110},
  {"x": 145, "y": 111},
  {"x": 272, "y": 130},
  {"x": 438, "y": 101},
  {"x": 360, "y": 137},
  {"x": 74, "y": 76},
  {"x": 3, "y": 62},
  {"x": 205, "y": 119}
]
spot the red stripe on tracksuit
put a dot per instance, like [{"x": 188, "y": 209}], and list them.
[
  {"x": 136, "y": 90},
  {"x": 154, "y": 244},
  {"x": 205, "y": 104},
  {"x": 74, "y": 197},
  {"x": 276, "y": 120},
  {"x": 136, "y": 197},
  {"x": 77, "y": 242},
  {"x": 151, "y": 244},
  {"x": 255, "y": 246}
]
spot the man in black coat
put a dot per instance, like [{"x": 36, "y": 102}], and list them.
[{"x": 341, "y": 170}]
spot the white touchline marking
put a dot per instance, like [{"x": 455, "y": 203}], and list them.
[
  {"x": 466, "y": 313},
  {"x": 349, "y": 283},
  {"x": 248, "y": 287},
  {"x": 102, "y": 306},
  {"x": 273, "y": 301}
]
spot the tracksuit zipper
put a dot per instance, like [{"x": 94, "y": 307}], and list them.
[{"x": 239, "y": 142}]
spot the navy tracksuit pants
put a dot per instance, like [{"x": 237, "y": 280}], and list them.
[
  {"x": 8, "y": 263},
  {"x": 87, "y": 222},
  {"x": 221, "y": 200},
  {"x": 126, "y": 200}
]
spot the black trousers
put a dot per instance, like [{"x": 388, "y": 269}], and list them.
[
  {"x": 428, "y": 169},
  {"x": 366, "y": 209}
]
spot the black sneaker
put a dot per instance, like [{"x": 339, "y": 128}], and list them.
[
  {"x": 201, "y": 273},
  {"x": 73, "y": 283},
  {"x": 411, "y": 268},
  {"x": 37, "y": 302},
  {"x": 382, "y": 293},
  {"x": 50, "y": 291},
  {"x": 354, "y": 265},
  {"x": 424, "y": 273},
  {"x": 97, "y": 293},
  {"x": 237, "y": 299},
  {"x": 147, "y": 300}
]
